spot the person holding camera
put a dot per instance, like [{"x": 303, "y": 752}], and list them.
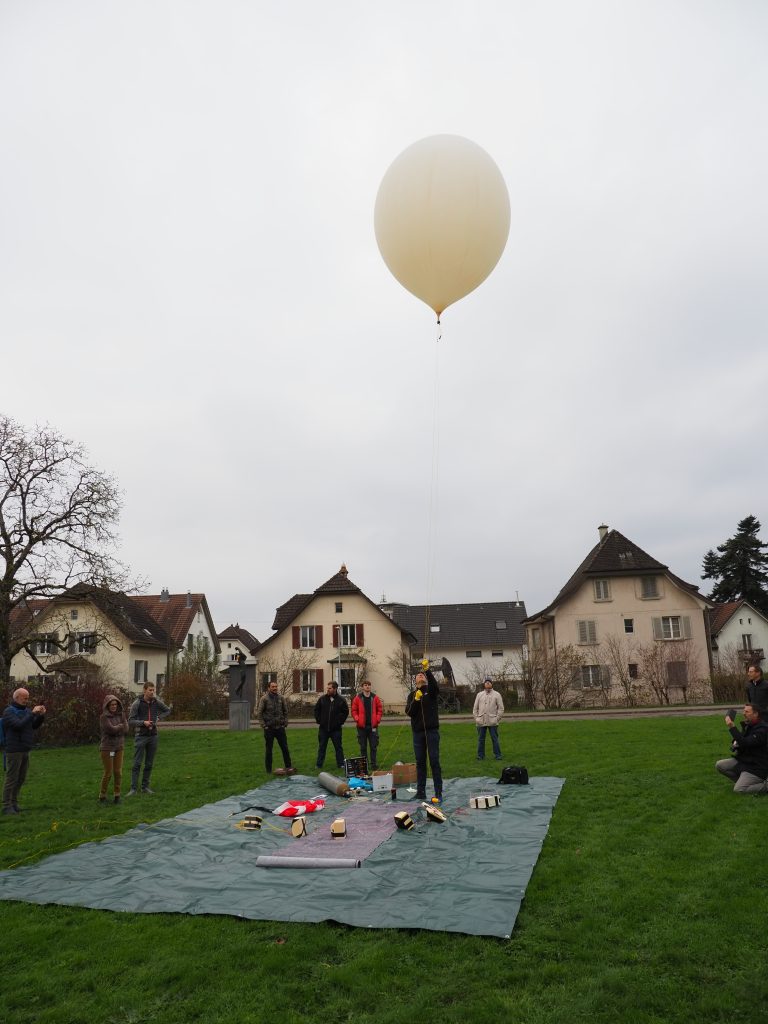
[
  {"x": 748, "y": 768},
  {"x": 19, "y": 725},
  {"x": 146, "y": 711}
]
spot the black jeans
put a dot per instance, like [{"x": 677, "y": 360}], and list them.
[
  {"x": 366, "y": 738},
  {"x": 428, "y": 743},
  {"x": 270, "y": 735},
  {"x": 322, "y": 742}
]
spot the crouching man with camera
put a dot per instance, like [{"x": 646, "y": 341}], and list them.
[{"x": 748, "y": 768}]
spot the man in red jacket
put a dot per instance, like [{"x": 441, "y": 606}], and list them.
[{"x": 366, "y": 712}]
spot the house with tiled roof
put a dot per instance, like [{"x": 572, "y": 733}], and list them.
[
  {"x": 236, "y": 638},
  {"x": 478, "y": 640},
  {"x": 114, "y": 632},
  {"x": 739, "y": 635},
  {"x": 622, "y": 629},
  {"x": 185, "y": 617},
  {"x": 336, "y": 633}
]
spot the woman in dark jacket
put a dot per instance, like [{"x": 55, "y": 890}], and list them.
[{"x": 114, "y": 728}]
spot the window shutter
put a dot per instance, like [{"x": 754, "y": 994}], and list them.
[
  {"x": 686, "y": 623},
  {"x": 605, "y": 675},
  {"x": 296, "y": 681},
  {"x": 318, "y": 636},
  {"x": 335, "y": 636},
  {"x": 359, "y": 636},
  {"x": 576, "y": 678},
  {"x": 296, "y": 633},
  {"x": 658, "y": 632},
  {"x": 319, "y": 680}
]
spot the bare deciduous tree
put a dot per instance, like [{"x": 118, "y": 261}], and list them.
[
  {"x": 58, "y": 528},
  {"x": 619, "y": 653},
  {"x": 670, "y": 665}
]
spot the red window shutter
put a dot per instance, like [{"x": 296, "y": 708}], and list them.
[
  {"x": 335, "y": 636},
  {"x": 318, "y": 636},
  {"x": 319, "y": 680},
  {"x": 359, "y": 635},
  {"x": 296, "y": 681},
  {"x": 295, "y": 632}
]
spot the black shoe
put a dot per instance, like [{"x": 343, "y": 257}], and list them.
[
  {"x": 117, "y": 800},
  {"x": 420, "y": 796},
  {"x": 102, "y": 799},
  {"x": 10, "y": 810}
]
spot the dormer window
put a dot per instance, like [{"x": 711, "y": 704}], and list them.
[
  {"x": 501, "y": 624},
  {"x": 434, "y": 628}
]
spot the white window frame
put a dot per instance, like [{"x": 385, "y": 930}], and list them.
[
  {"x": 86, "y": 643},
  {"x": 602, "y": 590},
  {"x": 591, "y": 677},
  {"x": 631, "y": 629},
  {"x": 308, "y": 681},
  {"x": 474, "y": 654},
  {"x": 347, "y": 630},
  {"x": 140, "y": 674},
  {"x": 47, "y": 644},
  {"x": 307, "y": 636},
  {"x": 746, "y": 641},
  {"x": 672, "y": 628}
]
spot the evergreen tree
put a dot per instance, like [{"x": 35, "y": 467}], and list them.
[{"x": 741, "y": 567}]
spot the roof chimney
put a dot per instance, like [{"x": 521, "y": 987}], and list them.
[
  {"x": 164, "y": 596},
  {"x": 343, "y": 570},
  {"x": 189, "y": 599},
  {"x": 603, "y": 531}
]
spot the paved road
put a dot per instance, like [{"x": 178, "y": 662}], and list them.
[{"x": 521, "y": 716}]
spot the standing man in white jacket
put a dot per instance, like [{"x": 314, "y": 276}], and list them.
[{"x": 488, "y": 709}]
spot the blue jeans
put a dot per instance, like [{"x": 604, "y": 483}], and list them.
[
  {"x": 322, "y": 742},
  {"x": 494, "y": 731},
  {"x": 427, "y": 743},
  {"x": 143, "y": 747}
]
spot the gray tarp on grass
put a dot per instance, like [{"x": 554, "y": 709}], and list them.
[{"x": 468, "y": 875}]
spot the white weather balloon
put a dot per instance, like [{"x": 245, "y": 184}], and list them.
[{"x": 442, "y": 218}]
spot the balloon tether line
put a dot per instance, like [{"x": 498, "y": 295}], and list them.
[{"x": 431, "y": 528}]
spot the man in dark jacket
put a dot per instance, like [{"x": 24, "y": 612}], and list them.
[
  {"x": 757, "y": 689},
  {"x": 331, "y": 712},
  {"x": 272, "y": 714},
  {"x": 748, "y": 768},
  {"x": 421, "y": 706},
  {"x": 143, "y": 717},
  {"x": 19, "y": 724}
]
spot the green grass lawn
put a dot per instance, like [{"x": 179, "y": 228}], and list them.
[{"x": 648, "y": 903}]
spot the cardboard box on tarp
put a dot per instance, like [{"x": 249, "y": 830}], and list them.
[
  {"x": 403, "y": 774},
  {"x": 382, "y": 781}
]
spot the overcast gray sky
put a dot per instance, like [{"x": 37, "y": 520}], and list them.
[{"x": 190, "y": 285}]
